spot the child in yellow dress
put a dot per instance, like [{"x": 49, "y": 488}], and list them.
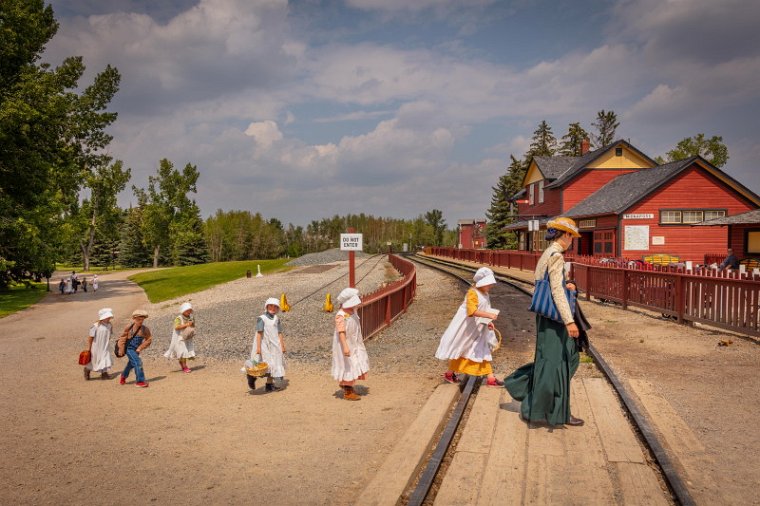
[{"x": 466, "y": 344}]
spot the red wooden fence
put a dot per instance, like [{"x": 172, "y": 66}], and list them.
[{"x": 380, "y": 308}]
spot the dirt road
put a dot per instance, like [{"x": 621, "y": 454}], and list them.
[{"x": 188, "y": 438}]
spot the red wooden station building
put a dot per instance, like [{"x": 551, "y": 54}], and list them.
[{"x": 626, "y": 205}]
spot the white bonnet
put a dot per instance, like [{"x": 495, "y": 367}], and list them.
[
  {"x": 348, "y": 298},
  {"x": 185, "y": 306},
  {"x": 273, "y": 301},
  {"x": 104, "y": 313},
  {"x": 483, "y": 277}
]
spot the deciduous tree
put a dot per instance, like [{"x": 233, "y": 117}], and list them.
[{"x": 606, "y": 124}]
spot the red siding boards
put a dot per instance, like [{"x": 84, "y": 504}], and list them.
[
  {"x": 550, "y": 206},
  {"x": 692, "y": 189},
  {"x": 589, "y": 181}
]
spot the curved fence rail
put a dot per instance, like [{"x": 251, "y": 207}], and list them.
[{"x": 380, "y": 308}]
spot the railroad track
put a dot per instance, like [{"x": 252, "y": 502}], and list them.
[{"x": 520, "y": 289}]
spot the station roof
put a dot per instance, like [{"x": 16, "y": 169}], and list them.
[
  {"x": 624, "y": 191},
  {"x": 553, "y": 167},
  {"x": 580, "y": 162},
  {"x": 748, "y": 218}
]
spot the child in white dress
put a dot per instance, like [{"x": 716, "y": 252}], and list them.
[
  {"x": 466, "y": 344},
  {"x": 98, "y": 344},
  {"x": 182, "y": 346},
  {"x": 269, "y": 345},
  {"x": 350, "y": 360},
  {"x": 95, "y": 283}
]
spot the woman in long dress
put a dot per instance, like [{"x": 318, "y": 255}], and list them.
[
  {"x": 543, "y": 386},
  {"x": 466, "y": 344},
  {"x": 350, "y": 360},
  {"x": 98, "y": 344},
  {"x": 182, "y": 346}
]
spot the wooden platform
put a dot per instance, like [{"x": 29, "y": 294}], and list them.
[{"x": 501, "y": 460}]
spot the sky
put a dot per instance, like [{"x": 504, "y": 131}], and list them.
[{"x": 306, "y": 109}]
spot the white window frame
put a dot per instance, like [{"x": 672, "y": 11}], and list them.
[
  {"x": 531, "y": 200},
  {"x": 693, "y": 216},
  {"x": 676, "y": 220},
  {"x": 541, "y": 192},
  {"x": 712, "y": 215}
]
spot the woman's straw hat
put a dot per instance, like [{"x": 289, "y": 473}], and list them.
[
  {"x": 564, "y": 224},
  {"x": 140, "y": 312}
]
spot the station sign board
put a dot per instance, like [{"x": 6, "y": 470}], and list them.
[{"x": 351, "y": 242}]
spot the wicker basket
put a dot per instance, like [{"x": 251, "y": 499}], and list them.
[
  {"x": 258, "y": 370},
  {"x": 498, "y": 336}
]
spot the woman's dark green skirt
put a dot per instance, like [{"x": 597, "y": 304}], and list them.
[{"x": 543, "y": 386}]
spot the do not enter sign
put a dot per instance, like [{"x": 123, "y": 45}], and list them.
[{"x": 350, "y": 242}]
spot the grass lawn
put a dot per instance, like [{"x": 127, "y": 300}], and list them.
[
  {"x": 19, "y": 297},
  {"x": 170, "y": 283}
]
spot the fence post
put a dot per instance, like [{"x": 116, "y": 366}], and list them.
[
  {"x": 680, "y": 292},
  {"x": 626, "y": 283},
  {"x": 388, "y": 309}
]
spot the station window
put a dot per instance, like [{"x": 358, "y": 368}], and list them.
[
  {"x": 670, "y": 216},
  {"x": 541, "y": 192},
  {"x": 531, "y": 200},
  {"x": 711, "y": 215},
  {"x": 679, "y": 216},
  {"x": 618, "y": 151},
  {"x": 693, "y": 216}
]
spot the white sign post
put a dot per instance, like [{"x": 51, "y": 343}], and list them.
[{"x": 351, "y": 242}]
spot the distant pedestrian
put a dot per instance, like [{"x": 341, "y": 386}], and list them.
[
  {"x": 466, "y": 343},
  {"x": 62, "y": 286},
  {"x": 95, "y": 283},
  {"x": 730, "y": 262},
  {"x": 350, "y": 360},
  {"x": 135, "y": 338},
  {"x": 98, "y": 342},
  {"x": 543, "y": 386},
  {"x": 269, "y": 345},
  {"x": 74, "y": 281},
  {"x": 67, "y": 288},
  {"x": 84, "y": 284},
  {"x": 183, "y": 332}
]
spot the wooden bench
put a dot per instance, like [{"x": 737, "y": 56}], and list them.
[
  {"x": 663, "y": 259},
  {"x": 750, "y": 263}
]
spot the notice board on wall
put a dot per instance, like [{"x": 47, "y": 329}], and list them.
[{"x": 637, "y": 237}]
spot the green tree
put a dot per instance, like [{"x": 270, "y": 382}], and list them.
[
  {"x": 434, "y": 218},
  {"x": 606, "y": 124},
  {"x": 713, "y": 149},
  {"x": 100, "y": 211},
  {"x": 132, "y": 249},
  {"x": 572, "y": 140},
  {"x": 543, "y": 142},
  {"x": 50, "y": 135},
  {"x": 171, "y": 224},
  {"x": 500, "y": 213}
]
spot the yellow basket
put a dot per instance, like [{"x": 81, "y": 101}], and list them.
[
  {"x": 258, "y": 370},
  {"x": 498, "y": 336}
]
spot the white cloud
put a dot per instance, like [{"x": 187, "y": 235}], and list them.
[{"x": 265, "y": 133}]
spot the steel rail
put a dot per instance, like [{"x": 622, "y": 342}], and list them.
[
  {"x": 676, "y": 484},
  {"x": 431, "y": 470}
]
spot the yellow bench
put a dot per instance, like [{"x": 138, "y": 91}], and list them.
[
  {"x": 750, "y": 263},
  {"x": 662, "y": 259}
]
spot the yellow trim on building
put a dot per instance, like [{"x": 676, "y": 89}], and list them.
[
  {"x": 629, "y": 160},
  {"x": 533, "y": 175}
]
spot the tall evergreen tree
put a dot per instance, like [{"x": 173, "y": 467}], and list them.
[
  {"x": 503, "y": 210},
  {"x": 543, "y": 142},
  {"x": 572, "y": 140},
  {"x": 132, "y": 249},
  {"x": 606, "y": 124}
]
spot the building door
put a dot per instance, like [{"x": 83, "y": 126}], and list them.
[
  {"x": 586, "y": 243},
  {"x": 604, "y": 243}
]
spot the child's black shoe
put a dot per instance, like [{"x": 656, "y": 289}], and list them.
[{"x": 251, "y": 382}]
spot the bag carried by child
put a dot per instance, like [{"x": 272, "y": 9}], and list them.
[{"x": 85, "y": 357}]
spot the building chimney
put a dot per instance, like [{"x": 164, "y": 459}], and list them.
[{"x": 585, "y": 146}]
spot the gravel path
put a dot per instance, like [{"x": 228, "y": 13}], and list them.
[{"x": 226, "y": 315}]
